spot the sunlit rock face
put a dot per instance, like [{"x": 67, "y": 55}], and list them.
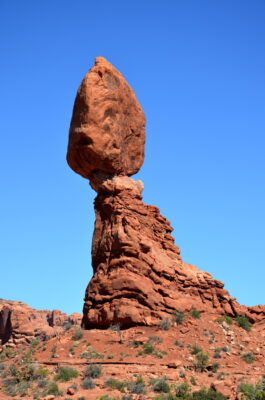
[
  {"x": 139, "y": 277},
  {"x": 107, "y": 131}
]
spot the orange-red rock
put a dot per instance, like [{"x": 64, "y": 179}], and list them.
[
  {"x": 20, "y": 323},
  {"x": 139, "y": 277},
  {"x": 107, "y": 131}
]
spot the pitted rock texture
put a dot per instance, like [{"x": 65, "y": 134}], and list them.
[
  {"x": 20, "y": 323},
  {"x": 139, "y": 276},
  {"x": 107, "y": 131}
]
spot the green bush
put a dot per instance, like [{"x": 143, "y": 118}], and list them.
[
  {"x": 182, "y": 390},
  {"x": 160, "y": 385},
  {"x": 88, "y": 383},
  {"x": 178, "y": 317},
  {"x": 53, "y": 388},
  {"x": 248, "y": 357},
  {"x": 93, "y": 371},
  {"x": 195, "y": 349},
  {"x": 225, "y": 318},
  {"x": 165, "y": 324},
  {"x": 78, "y": 334},
  {"x": 195, "y": 313},
  {"x": 137, "y": 387},
  {"x": 209, "y": 394},
  {"x": 217, "y": 353},
  {"x": 65, "y": 374},
  {"x": 116, "y": 384},
  {"x": 253, "y": 392},
  {"x": 148, "y": 348},
  {"x": 201, "y": 361},
  {"x": 243, "y": 322}
]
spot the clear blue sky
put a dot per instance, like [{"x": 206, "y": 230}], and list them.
[{"x": 198, "y": 70}]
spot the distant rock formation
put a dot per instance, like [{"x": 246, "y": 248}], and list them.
[
  {"x": 20, "y": 323},
  {"x": 139, "y": 276}
]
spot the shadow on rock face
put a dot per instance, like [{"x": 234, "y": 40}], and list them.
[{"x": 5, "y": 325}]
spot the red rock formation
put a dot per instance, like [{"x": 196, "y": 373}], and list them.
[
  {"x": 107, "y": 131},
  {"x": 20, "y": 323},
  {"x": 139, "y": 277}
]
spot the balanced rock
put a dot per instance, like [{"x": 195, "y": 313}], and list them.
[
  {"x": 107, "y": 132},
  {"x": 139, "y": 276}
]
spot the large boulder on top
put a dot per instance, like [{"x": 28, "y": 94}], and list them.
[{"x": 107, "y": 131}]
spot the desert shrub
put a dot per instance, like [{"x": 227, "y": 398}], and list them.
[
  {"x": 160, "y": 385},
  {"x": 168, "y": 396},
  {"x": 116, "y": 384},
  {"x": 42, "y": 383},
  {"x": 243, "y": 322},
  {"x": 195, "y": 349},
  {"x": 209, "y": 394},
  {"x": 9, "y": 387},
  {"x": 165, "y": 324},
  {"x": 195, "y": 313},
  {"x": 77, "y": 334},
  {"x": 67, "y": 325},
  {"x": 88, "y": 383},
  {"x": 215, "y": 366},
  {"x": 93, "y": 371},
  {"x": 81, "y": 398},
  {"x": 135, "y": 343},
  {"x": 137, "y": 387},
  {"x": 225, "y": 318},
  {"x": 7, "y": 353},
  {"x": 34, "y": 343},
  {"x": 253, "y": 392},
  {"x": 217, "y": 353},
  {"x": 248, "y": 357},
  {"x": 193, "y": 380},
  {"x": 179, "y": 344},
  {"x": 201, "y": 361},
  {"x": 40, "y": 373},
  {"x": 148, "y": 348},
  {"x": 178, "y": 317},
  {"x": 91, "y": 353},
  {"x": 65, "y": 374},
  {"x": 53, "y": 351},
  {"x": 182, "y": 390},
  {"x": 159, "y": 353},
  {"x": 126, "y": 397},
  {"x": 52, "y": 388},
  {"x": 155, "y": 339}
]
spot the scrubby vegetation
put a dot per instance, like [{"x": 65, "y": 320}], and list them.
[
  {"x": 65, "y": 374},
  {"x": 243, "y": 322}
]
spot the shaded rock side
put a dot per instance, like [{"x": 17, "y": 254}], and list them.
[
  {"x": 107, "y": 131},
  {"x": 139, "y": 275}
]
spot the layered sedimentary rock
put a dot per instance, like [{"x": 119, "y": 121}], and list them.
[
  {"x": 20, "y": 323},
  {"x": 139, "y": 276}
]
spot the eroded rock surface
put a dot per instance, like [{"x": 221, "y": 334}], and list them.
[
  {"x": 20, "y": 323},
  {"x": 107, "y": 131},
  {"x": 139, "y": 276}
]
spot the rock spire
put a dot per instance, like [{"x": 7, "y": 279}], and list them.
[{"x": 139, "y": 276}]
